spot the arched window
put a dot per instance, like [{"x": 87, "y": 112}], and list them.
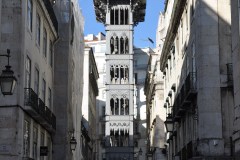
[
  {"x": 122, "y": 107},
  {"x": 112, "y": 45},
  {"x": 126, "y": 46},
  {"x": 112, "y": 78},
  {"x": 126, "y": 16},
  {"x": 126, "y": 106},
  {"x": 116, "y": 106},
  {"x": 116, "y": 16},
  {"x": 112, "y": 16},
  {"x": 117, "y": 74},
  {"x": 121, "y": 45},
  {"x": 112, "y": 106},
  {"x": 117, "y": 45},
  {"x": 122, "y": 16}
]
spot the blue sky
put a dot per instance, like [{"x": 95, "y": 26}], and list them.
[{"x": 141, "y": 32}]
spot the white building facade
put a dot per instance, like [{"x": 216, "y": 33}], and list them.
[
  {"x": 89, "y": 114},
  {"x": 98, "y": 45},
  {"x": 28, "y": 122},
  {"x": 198, "y": 95}
]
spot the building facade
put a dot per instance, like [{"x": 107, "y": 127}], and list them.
[
  {"x": 98, "y": 45},
  {"x": 140, "y": 59},
  {"x": 198, "y": 94},
  {"x": 68, "y": 83},
  {"x": 119, "y": 18},
  {"x": 156, "y": 113},
  {"x": 28, "y": 122},
  {"x": 234, "y": 77},
  {"x": 89, "y": 114}
]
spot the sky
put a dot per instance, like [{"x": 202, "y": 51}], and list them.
[{"x": 141, "y": 32}]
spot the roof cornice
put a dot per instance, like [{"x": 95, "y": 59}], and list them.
[{"x": 178, "y": 8}]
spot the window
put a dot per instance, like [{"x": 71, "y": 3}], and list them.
[
  {"x": 26, "y": 138},
  {"x": 29, "y": 14},
  {"x": 35, "y": 139},
  {"x": 36, "y": 81},
  {"x": 38, "y": 29},
  {"x": 50, "y": 54},
  {"x": 49, "y": 145},
  {"x": 28, "y": 73},
  {"x": 42, "y": 143},
  {"x": 45, "y": 42},
  {"x": 50, "y": 98},
  {"x": 44, "y": 91}
]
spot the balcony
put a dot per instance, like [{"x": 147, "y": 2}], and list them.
[
  {"x": 178, "y": 110},
  {"x": 190, "y": 86},
  {"x": 31, "y": 102},
  {"x": 185, "y": 97},
  {"x": 35, "y": 107}
]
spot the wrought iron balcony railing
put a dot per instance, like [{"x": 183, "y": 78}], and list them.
[
  {"x": 37, "y": 109},
  {"x": 41, "y": 106},
  {"x": 31, "y": 99},
  {"x": 184, "y": 98},
  {"x": 191, "y": 83},
  {"x": 48, "y": 116}
]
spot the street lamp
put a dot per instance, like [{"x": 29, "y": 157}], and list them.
[
  {"x": 73, "y": 143},
  {"x": 7, "y": 78},
  {"x": 169, "y": 123}
]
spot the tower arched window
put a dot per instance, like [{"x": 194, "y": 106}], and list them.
[
  {"x": 116, "y": 16},
  {"x": 112, "y": 45},
  {"x": 122, "y": 46},
  {"x": 122, "y": 18},
  {"x": 116, "y": 106},
  {"x": 126, "y": 46},
  {"x": 112, "y": 106},
  {"x": 117, "y": 45},
  {"x": 112, "y": 16},
  {"x": 126, "y": 16}
]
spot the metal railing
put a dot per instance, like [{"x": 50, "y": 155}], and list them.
[
  {"x": 191, "y": 82},
  {"x": 31, "y": 99},
  {"x": 38, "y": 109},
  {"x": 48, "y": 116},
  {"x": 41, "y": 106}
]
